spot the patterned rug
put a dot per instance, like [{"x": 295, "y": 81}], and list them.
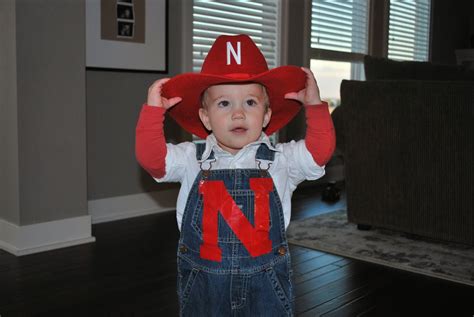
[{"x": 332, "y": 233}]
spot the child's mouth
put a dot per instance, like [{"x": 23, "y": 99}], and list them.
[{"x": 239, "y": 130}]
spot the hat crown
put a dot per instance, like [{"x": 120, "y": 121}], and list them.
[{"x": 234, "y": 55}]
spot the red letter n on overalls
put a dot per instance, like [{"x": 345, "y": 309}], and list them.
[{"x": 216, "y": 198}]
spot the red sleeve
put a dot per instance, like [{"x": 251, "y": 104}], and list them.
[
  {"x": 320, "y": 137},
  {"x": 150, "y": 144}
]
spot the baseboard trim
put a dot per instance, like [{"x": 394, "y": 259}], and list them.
[
  {"x": 129, "y": 206},
  {"x": 45, "y": 236}
]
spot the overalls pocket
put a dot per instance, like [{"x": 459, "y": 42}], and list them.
[
  {"x": 279, "y": 278},
  {"x": 186, "y": 279}
]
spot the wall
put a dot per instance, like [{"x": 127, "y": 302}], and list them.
[
  {"x": 298, "y": 19},
  {"x": 114, "y": 100},
  {"x": 51, "y": 109},
  {"x": 43, "y": 126},
  {"x": 452, "y": 26},
  {"x": 471, "y": 25},
  {"x": 9, "y": 186}
]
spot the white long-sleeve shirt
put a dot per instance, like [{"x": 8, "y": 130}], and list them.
[{"x": 292, "y": 165}]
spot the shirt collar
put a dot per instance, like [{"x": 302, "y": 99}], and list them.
[{"x": 211, "y": 145}]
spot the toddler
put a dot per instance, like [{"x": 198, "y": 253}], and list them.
[{"x": 234, "y": 204}]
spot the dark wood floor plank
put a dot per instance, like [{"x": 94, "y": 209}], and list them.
[
  {"x": 328, "y": 292},
  {"x": 338, "y": 302},
  {"x": 308, "y": 256},
  {"x": 355, "y": 307},
  {"x": 418, "y": 295},
  {"x": 318, "y": 262},
  {"x": 315, "y": 273},
  {"x": 131, "y": 271},
  {"x": 343, "y": 262},
  {"x": 296, "y": 250},
  {"x": 324, "y": 279},
  {"x": 307, "y": 203}
]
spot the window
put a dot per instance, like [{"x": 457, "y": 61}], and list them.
[
  {"x": 339, "y": 41},
  {"x": 339, "y": 26},
  {"x": 258, "y": 19},
  {"x": 409, "y": 29},
  {"x": 340, "y": 37}
]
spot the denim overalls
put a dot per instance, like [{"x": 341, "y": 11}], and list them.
[{"x": 235, "y": 283}]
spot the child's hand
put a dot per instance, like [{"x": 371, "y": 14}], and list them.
[
  {"x": 310, "y": 94},
  {"x": 155, "y": 98}
]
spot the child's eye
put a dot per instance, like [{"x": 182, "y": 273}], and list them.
[
  {"x": 223, "y": 103},
  {"x": 251, "y": 102}
]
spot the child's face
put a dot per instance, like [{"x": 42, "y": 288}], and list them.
[{"x": 236, "y": 114}]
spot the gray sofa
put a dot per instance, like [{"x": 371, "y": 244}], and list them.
[{"x": 409, "y": 154}]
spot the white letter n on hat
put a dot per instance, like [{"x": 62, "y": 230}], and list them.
[{"x": 237, "y": 56}]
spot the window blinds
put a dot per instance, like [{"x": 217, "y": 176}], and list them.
[
  {"x": 409, "y": 30},
  {"x": 340, "y": 25},
  {"x": 258, "y": 19}
]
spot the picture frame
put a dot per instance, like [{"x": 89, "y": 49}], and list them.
[{"x": 127, "y": 35}]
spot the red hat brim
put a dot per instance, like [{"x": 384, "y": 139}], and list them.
[{"x": 277, "y": 81}]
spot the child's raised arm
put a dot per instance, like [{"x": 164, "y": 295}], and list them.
[
  {"x": 150, "y": 143},
  {"x": 320, "y": 137}
]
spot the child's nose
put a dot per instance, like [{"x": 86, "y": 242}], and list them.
[{"x": 238, "y": 113}]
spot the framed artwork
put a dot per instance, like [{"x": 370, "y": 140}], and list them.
[{"x": 127, "y": 35}]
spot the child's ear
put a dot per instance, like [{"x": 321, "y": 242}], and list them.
[
  {"x": 266, "y": 117},
  {"x": 204, "y": 118}
]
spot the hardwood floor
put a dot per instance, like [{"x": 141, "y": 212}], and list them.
[{"x": 131, "y": 271}]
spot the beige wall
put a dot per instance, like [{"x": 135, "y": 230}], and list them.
[
  {"x": 298, "y": 19},
  {"x": 452, "y": 23},
  {"x": 114, "y": 100},
  {"x": 42, "y": 111},
  {"x": 51, "y": 103},
  {"x": 9, "y": 186}
]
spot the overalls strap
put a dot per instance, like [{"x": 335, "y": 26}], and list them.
[
  {"x": 200, "y": 148},
  {"x": 265, "y": 153}
]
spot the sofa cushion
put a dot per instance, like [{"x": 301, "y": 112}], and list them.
[{"x": 384, "y": 68}]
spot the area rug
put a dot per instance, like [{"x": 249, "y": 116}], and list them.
[{"x": 332, "y": 233}]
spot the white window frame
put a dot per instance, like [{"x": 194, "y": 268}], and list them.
[
  {"x": 337, "y": 56},
  {"x": 397, "y": 53},
  {"x": 378, "y": 35},
  {"x": 357, "y": 72}
]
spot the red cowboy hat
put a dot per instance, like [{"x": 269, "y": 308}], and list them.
[{"x": 234, "y": 59}]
